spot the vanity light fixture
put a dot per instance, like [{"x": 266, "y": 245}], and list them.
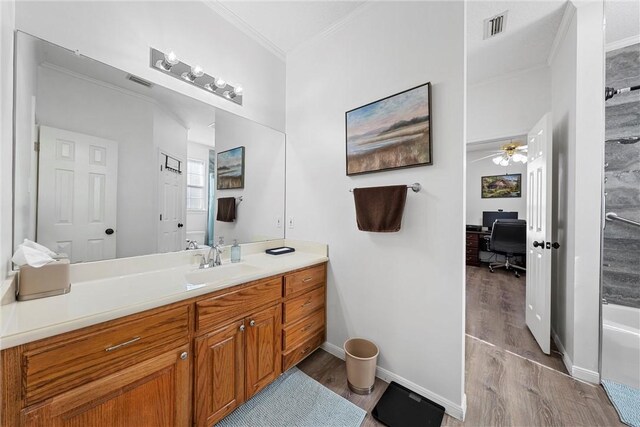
[{"x": 170, "y": 64}]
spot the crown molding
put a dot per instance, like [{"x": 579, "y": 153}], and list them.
[
  {"x": 243, "y": 26},
  {"x": 335, "y": 26},
  {"x": 619, "y": 44},
  {"x": 567, "y": 16}
]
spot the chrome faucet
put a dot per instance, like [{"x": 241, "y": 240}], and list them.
[{"x": 217, "y": 250}]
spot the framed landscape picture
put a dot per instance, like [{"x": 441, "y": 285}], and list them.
[
  {"x": 501, "y": 186},
  {"x": 230, "y": 172},
  {"x": 391, "y": 133}
]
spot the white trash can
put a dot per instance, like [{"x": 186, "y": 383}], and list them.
[{"x": 361, "y": 356}]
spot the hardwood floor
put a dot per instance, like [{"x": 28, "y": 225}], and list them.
[
  {"x": 508, "y": 380},
  {"x": 496, "y": 314},
  {"x": 502, "y": 389}
]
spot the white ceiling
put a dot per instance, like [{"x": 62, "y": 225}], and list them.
[
  {"x": 284, "y": 25},
  {"x": 623, "y": 20},
  {"x": 526, "y": 42}
]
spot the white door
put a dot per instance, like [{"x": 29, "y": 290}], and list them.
[
  {"x": 171, "y": 202},
  {"x": 539, "y": 256},
  {"x": 77, "y": 194}
]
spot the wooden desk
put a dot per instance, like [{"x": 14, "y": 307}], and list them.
[{"x": 473, "y": 246}]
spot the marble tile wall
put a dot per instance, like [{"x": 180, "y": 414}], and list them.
[{"x": 621, "y": 255}]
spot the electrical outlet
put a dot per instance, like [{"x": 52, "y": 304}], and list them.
[
  {"x": 278, "y": 222},
  {"x": 290, "y": 222}
]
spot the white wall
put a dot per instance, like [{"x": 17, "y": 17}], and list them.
[
  {"x": 508, "y": 105},
  {"x": 121, "y": 33},
  {"x": 264, "y": 180},
  {"x": 404, "y": 290},
  {"x": 578, "y": 135},
  {"x": 475, "y": 203}
]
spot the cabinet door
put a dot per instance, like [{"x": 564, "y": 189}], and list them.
[
  {"x": 155, "y": 392},
  {"x": 263, "y": 348},
  {"x": 219, "y": 373}
]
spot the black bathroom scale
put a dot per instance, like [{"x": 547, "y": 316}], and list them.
[{"x": 400, "y": 407}]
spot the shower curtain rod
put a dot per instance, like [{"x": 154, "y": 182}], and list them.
[{"x": 610, "y": 92}]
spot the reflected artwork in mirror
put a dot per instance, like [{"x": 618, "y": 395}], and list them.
[{"x": 108, "y": 165}]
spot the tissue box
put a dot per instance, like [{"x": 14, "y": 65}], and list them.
[{"x": 48, "y": 280}]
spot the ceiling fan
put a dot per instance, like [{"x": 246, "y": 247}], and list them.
[{"x": 513, "y": 151}]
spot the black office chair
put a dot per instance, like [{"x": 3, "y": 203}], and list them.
[{"x": 508, "y": 238}]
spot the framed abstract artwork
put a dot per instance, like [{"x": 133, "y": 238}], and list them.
[{"x": 391, "y": 133}]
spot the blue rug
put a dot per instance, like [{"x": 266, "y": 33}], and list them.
[
  {"x": 626, "y": 400},
  {"x": 297, "y": 400}
]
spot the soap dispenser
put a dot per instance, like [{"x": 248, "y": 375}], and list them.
[{"x": 235, "y": 251}]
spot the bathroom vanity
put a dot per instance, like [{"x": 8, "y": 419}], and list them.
[{"x": 212, "y": 341}]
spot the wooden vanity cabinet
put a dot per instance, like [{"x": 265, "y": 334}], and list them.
[{"x": 138, "y": 370}]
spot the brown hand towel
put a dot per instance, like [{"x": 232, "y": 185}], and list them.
[
  {"x": 226, "y": 209},
  {"x": 380, "y": 208}
]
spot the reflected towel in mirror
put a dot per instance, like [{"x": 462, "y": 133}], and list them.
[{"x": 226, "y": 209}]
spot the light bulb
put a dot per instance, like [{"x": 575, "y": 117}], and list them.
[
  {"x": 517, "y": 157},
  {"x": 197, "y": 71},
  {"x": 170, "y": 59},
  {"x": 504, "y": 162},
  {"x": 220, "y": 82},
  {"x": 238, "y": 89},
  {"x": 497, "y": 160}
]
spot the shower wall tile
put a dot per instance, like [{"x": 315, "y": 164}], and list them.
[{"x": 621, "y": 242}]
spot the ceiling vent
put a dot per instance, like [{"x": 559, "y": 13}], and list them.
[
  {"x": 495, "y": 25},
  {"x": 138, "y": 80}
]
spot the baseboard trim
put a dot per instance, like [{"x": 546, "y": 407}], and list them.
[
  {"x": 575, "y": 371},
  {"x": 456, "y": 411}
]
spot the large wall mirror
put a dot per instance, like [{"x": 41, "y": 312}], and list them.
[{"x": 108, "y": 166}]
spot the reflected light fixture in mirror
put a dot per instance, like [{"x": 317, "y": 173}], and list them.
[{"x": 195, "y": 75}]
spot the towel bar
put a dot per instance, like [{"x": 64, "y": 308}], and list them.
[{"x": 415, "y": 187}]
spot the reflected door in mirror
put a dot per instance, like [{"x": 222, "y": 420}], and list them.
[
  {"x": 172, "y": 201},
  {"x": 77, "y": 188}
]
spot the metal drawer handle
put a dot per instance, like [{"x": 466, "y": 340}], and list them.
[
  {"x": 307, "y": 303},
  {"x": 117, "y": 346},
  {"x": 308, "y": 279}
]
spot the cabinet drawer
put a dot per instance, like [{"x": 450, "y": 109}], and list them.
[
  {"x": 303, "y": 329},
  {"x": 472, "y": 251},
  {"x": 228, "y": 306},
  {"x": 304, "y": 280},
  {"x": 472, "y": 243},
  {"x": 68, "y": 364},
  {"x": 472, "y": 237},
  {"x": 303, "y": 305},
  {"x": 301, "y": 351}
]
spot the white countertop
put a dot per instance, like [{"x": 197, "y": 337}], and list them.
[{"x": 107, "y": 298}]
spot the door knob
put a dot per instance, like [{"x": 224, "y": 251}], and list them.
[
  {"x": 538, "y": 244},
  {"x": 180, "y": 225},
  {"x": 242, "y": 327},
  {"x": 555, "y": 245},
  {"x": 252, "y": 323},
  {"x": 109, "y": 231},
  {"x": 184, "y": 355}
]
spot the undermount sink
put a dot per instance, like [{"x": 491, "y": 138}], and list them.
[{"x": 222, "y": 272}]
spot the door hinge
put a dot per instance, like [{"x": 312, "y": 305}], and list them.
[
  {"x": 160, "y": 217},
  {"x": 36, "y": 146},
  {"x": 160, "y": 168}
]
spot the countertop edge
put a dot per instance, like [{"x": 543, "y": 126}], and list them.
[{"x": 26, "y": 337}]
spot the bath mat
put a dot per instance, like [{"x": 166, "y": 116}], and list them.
[
  {"x": 297, "y": 400},
  {"x": 625, "y": 399}
]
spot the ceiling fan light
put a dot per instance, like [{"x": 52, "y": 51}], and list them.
[
  {"x": 497, "y": 160},
  {"x": 504, "y": 162},
  {"x": 517, "y": 157}
]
